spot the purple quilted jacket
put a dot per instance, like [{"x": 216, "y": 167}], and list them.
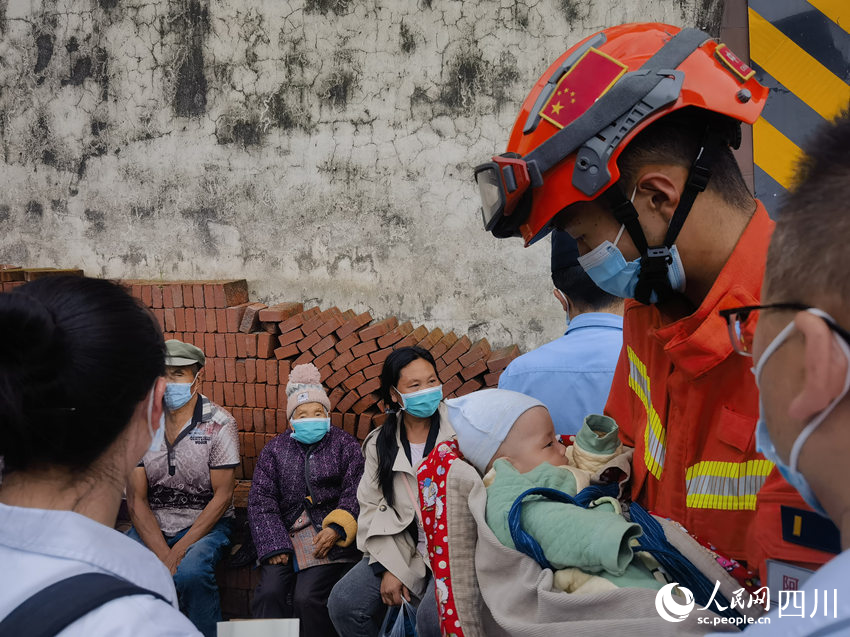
[{"x": 279, "y": 491}]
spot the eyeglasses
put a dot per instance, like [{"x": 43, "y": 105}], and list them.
[{"x": 741, "y": 323}]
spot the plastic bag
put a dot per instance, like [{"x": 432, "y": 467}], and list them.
[{"x": 400, "y": 621}]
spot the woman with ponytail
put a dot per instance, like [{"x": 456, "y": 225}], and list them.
[
  {"x": 389, "y": 529},
  {"x": 81, "y": 391}
]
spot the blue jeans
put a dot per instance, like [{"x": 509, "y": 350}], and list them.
[{"x": 197, "y": 590}]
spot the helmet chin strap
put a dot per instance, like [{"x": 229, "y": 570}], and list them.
[{"x": 655, "y": 260}]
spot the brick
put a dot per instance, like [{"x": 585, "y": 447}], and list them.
[
  {"x": 230, "y": 370},
  {"x": 239, "y": 394},
  {"x": 308, "y": 341},
  {"x": 311, "y": 325},
  {"x": 478, "y": 367},
  {"x": 364, "y": 403},
  {"x": 378, "y": 329},
  {"x": 492, "y": 379},
  {"x": 167, "y": 299},
  {"x": 231, "y": 293},
  {"x": 335, "y": 396},
  {"x": 370, "y": 386},
  {"x": 177, "y": 295},
  {"x": 324, "y": 359},
  {"x": 287, "y": 351},
  {"x": 347, "y": 401},
  {"x": 198, "y": 294},
  {"x": 306, "y": 357},
  {"x": 292, "y": 336},
  {"x": 269, "y": 416},
  {"x": 323, "y": 345},
  {"x": 209, "y": 371},
  {"x": 457, "y": 350},
  {"x": 364, "y": 348},
  {"x": 330, "y": 326},
  {"x": 170, "y": 319},
  {"x": 241, "y": 345},
  {"x": 211, "y": 318},
  {"x": 378, "y": 419},
  {"x": 218, "y": 393},
  {"x": 449, "y": 370},
  {"x": 250, "y": 395},
  {"x": 395, "y": 335},
  {"x": 281, "y": 311},
  {"x": 160, "y": 317},
  {"x": 364, "y": 424},
  {"x": 234, "y": 317},
  {"x": 342, "y": 360},
  {"x": 358, "y": 364},
  {"x": 259, "y": 422},
  {"x": 265, "y": 345},
  {"x": 179, "y": 319},
  {"x": 261, "y": 370},
  {"x": 353, "y": 381},
  {"x": 188, "y": 300},
  {"x": 147, "y": 296},
  {"x": 271, "y": 395},
  {"x": 230, "y": 345},
  {"x": 251, "y": 342},
  {"x": 481, "y": 349},
  {"x": 250, "y": 319},
  {"x": 269, "y": 328},
  {"x": 282, "y": 400},
  {"x": 271, "y": 371},
  {"x": 336, "y": 419},
  {"x": 431, "y": 339},
  {"x": 241, "y": 371},
  {"x": 336, "y": 378},
  {"x": 444, "y": 345},
  {"x": 414, "y": 337},
  {"x": 298, "y": 320},
  {"x": 220, "y": 373},
  {"x": 373, "y": 371},
  {"x": 260, "y": 396},
  {"x": 468, "y": 387},
  {"x": 498, "y": 360},
  {"x": 221, "y": 320},
  {"x": 220, "y": 345},
  {"x": 283, "y": 368},
  {"x": 380, "y": 356},
  {"x": 200, "y": 319},
  {"x": 347, "y": 343},
  {"x": 451, "y": 385},
  {"x": 349, "y": 424},
  {"x": 156, "y": 296},
  {"x": 281, "y": 423},
  {"x": 209, "y": 344},
  {"x": 228, "y": 395},
  {"x": 352, "y": 325}
]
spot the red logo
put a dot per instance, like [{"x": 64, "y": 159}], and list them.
[
  {"x": 738, "y": 66},
  {"x": 790, "y": 583},
  {"x": 585, "y": 82}
]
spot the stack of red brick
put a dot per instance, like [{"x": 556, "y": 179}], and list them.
[
  {"x": 11, "y": 276},
  {"x": 250, "y": 349}
]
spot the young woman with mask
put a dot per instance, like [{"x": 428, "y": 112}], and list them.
[
  {"x": 81, "y": 392},
  {"x": 390, "y": 533},
  {"x": 303, "y": 509}
]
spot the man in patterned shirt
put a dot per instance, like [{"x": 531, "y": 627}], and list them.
[{"x": 181, "y": 495}]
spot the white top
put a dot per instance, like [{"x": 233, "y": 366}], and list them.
[
  {"x": 830, "y": 577},
  {"x": 40, "y": 547},
  {"x": 416, "y": 452}
]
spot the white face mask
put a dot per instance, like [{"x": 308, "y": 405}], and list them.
[{"x": 159, "y": 435}]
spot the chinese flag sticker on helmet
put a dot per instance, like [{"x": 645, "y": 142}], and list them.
[{"x": 587, "y": 81}]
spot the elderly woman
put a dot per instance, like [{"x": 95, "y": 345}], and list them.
[
  {"x": 390, "y": 531},
  {"x": 303, "y": 509},
  {"x": 81, "y": 389}
]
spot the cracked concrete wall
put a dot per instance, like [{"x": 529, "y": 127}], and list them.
[{"x": 322, "y": 149}]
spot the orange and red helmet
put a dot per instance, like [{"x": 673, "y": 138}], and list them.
[{"x": 590, "y": 103}]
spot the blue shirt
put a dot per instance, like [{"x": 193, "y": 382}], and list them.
[{"x": 571, "y": 375}]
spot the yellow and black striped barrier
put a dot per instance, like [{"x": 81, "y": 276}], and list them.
[{"x": 801, "y": 51}]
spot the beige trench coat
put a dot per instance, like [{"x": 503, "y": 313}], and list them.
[{"x": 381, "y": 528}]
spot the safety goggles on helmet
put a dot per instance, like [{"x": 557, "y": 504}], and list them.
[{"x": 590, "y": 104}]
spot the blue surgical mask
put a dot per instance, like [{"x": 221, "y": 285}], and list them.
[
  {"x": 178, "y": 394},
  {"x": 765, "y": 445},
  {"x": 610, "y": 271},
  {"x": 159, "y": 435},
  {"x": 310, "y": 430},
  {"x": 422, "y": 403}
]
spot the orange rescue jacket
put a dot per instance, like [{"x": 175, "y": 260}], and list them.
[{"x": 689, "y": 405}]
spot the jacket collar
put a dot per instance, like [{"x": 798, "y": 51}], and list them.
[
  {"x": 402, "y": 463},
  {"x": 699, "y": 342},
  {"x": 595, "y": 319}
]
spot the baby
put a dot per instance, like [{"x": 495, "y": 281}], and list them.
[{"x": 509, "y": 437}]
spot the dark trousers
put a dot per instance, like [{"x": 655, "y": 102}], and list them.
[{"x": 284, "y": 593}]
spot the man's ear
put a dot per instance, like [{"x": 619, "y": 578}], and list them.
[
  {"x": 663, "y": 190},
  {"x": 562, "y": 299},
  {"x": 157, "y": 407},
  {"x": 824, "y": 368}
]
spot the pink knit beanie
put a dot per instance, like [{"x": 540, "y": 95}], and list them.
[{"x": 305, "y": 386}]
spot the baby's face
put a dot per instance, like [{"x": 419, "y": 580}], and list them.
[{"x": 532, "y": 441}]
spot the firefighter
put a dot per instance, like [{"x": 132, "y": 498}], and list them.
[{"x": 626, "y": 143}]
